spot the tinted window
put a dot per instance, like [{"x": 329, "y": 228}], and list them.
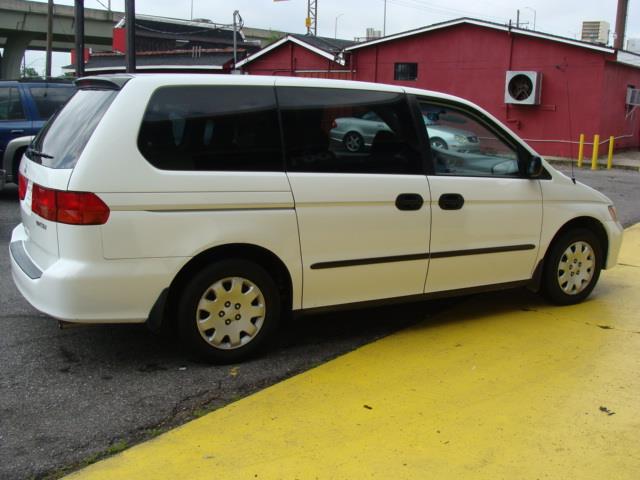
[
  {"x": 463, "y": 145},
  {"x": 10, "y": 104},
  {"x": 65, "y": 135},
  {"x": 348, "y": 131},
  {"x": 212, "y": 128},
  {"x": 49, "y": 99},
  {"x": 405, "y": 71}
]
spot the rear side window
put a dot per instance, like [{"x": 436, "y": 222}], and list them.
[
  {"x": 10, "y": 104},
  {"x": 212, "y": 128},
  {"x": 348, "y": 131},
  {"x": 49, "y": 99},
  {"x": 61, "y": 141}
]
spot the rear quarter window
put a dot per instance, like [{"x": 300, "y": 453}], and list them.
[
  {"x": 212, "y": 128},
  {"x": 63, "y": 138}
]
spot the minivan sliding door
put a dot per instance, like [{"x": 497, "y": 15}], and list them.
[{"x": 361, "y": 197}]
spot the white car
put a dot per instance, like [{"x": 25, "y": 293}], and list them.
[{"x": 216, "y": 204}]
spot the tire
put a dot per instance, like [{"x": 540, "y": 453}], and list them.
[
  {"x": 16, "y": 163},
  {"x": 580, "y": 253},
  {"x": 229, "y": 311},
  {"x": 353, "y": 142},
  {"x": 437, "y": 142}
]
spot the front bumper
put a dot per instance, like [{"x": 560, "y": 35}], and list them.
[{"x": 614, "y": 233}]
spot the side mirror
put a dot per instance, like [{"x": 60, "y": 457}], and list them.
[{"x": 533, "y": 166}]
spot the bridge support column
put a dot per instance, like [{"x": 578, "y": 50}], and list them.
[{"x": 14, "y": 49}]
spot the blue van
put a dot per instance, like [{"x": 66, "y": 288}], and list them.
[{"x": 25, "y": 105}]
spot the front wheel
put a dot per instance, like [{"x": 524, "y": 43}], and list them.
[
  {"x": 572, "y": 267},
  {"x": 228, "y": 311}
]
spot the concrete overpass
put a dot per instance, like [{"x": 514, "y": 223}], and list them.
[{"x": 23, "y": 26}]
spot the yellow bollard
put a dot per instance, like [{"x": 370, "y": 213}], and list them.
[
  {"x": 581, "y": 150},
  {"x": 610, "y": 157},
  {"x": 594, "y": 156}
]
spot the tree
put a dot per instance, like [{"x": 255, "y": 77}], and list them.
[{"x": 29, "y": 72}]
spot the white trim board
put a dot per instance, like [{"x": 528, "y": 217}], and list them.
[
  {"x": 469, "y": 21},
  {"x": 284, "y": 40}
]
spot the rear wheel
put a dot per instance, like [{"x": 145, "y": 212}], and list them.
[
  {"x": 572, "y": 267},
  {"x": 353, "y": 142},
  {"x": 228, "y": 311}
]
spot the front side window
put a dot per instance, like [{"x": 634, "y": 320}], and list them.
[
  {"x": 348, "y": 131},
  {"x": 49, "y": 99},
  {"x": 10, "y": 104},
  {"x": 405, "y": 71},
  {"x": 463, "y": 145},
  {"x": 212, "y": 128}
]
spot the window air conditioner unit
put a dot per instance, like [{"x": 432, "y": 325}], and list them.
[
  {"x": 523, "y": 88},
  {"x": 633, "y": 97}
]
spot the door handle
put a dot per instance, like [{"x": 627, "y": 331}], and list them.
[
  {"x": 409, "y": 201},
  {"x": 15, "y": 132},
  {"x": 451, "y": 201}
]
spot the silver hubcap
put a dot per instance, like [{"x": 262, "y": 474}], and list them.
[
  {"x": 353, "y": 143},
  {"x": 230, "y": 313},
  {"x": 575, "y": 269}
]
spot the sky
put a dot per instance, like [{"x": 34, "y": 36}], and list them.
[{"x": 560, "y": 17}]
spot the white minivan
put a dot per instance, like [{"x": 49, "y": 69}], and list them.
[{"x": 218, "y": 204}]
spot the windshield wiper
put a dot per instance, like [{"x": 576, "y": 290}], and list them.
[{"x": 38, "y": 153}]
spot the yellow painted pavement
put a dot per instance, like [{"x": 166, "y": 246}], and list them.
[{"x": 502, "y": 386}]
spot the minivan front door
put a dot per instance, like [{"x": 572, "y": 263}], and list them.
[
  {"x": 362, "y": 199},
  {"x": 486, "y": 217}
]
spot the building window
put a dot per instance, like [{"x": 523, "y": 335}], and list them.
[{"x": 406, "y": 71}]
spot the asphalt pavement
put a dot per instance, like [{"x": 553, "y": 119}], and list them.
[{"x": 68, "y": 397}]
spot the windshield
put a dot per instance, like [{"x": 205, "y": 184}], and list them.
[{"x": 61, "y": 141}]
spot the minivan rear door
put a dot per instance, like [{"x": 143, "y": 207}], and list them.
[
  {"x": 361, "y": 196},
  {"x": 48, "y": 165}
]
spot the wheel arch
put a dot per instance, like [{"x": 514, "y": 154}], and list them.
[
  {"x": 260, "y": 255},
  {"x": 589, "y": 223}
]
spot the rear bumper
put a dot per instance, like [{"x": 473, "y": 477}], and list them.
[{"x": 106, "y": 291}]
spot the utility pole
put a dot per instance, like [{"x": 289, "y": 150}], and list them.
[
  {"x": 79, "y": 24},
  {"x": 518, "y": 19},
  {"x": 621, "y": 24},
  {"x": 47, "y": 67},
  {"x": 130, "y": 23},
  {"x": 384, "y": 22},
  {"x": 237, "y": 21},
  {"x": 312, "y": 17}
]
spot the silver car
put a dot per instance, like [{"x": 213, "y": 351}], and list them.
[{"x": 357, "y": 133}]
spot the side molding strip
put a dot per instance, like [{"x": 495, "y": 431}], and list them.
[{"x": 419, "y": 256}]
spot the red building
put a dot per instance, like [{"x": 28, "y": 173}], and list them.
[
  {"x": 583, "y": 86},
  {"x": 301, "y": 56}
]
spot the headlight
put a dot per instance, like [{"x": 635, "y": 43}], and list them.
[
  {"x": 613, "y": 213},
  {"x": 460, "y": 138}
]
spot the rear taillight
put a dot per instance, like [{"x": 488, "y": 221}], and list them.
[
  {"x": 72, "y": 208},
  {"x": 22, "y": 186},
  {"x": 81, "y": 208},
  {"x": 43, "y": 202}
]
